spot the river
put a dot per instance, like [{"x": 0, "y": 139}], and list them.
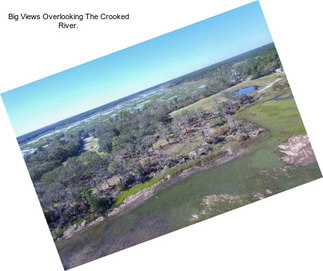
[{"x": 174, "y": 207}]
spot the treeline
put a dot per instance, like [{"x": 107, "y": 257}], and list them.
[
  {"x": 258, "y": 58},
  {"x": 263, "y": 62},
  {"x": 53, "y": 154}
]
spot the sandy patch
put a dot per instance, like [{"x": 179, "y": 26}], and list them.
[
  {"x": 297, "y": 151},
  {"x": 211, "y": 203}
]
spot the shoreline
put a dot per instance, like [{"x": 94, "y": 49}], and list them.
[
  {"x": 140, "y": 197},
  {"x": 133, "y": 201}
]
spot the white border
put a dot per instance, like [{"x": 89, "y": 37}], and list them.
[{"x": 283, "y": 232}]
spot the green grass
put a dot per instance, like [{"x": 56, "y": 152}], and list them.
[
  {"x": 135, "y": 189},
  {"x": 94, "y": 143},
  {"x": 171, "y": 172},
  {"x": 281, "y": 118}
]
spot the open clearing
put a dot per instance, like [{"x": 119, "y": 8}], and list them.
[{"x": 263, "y": 83}]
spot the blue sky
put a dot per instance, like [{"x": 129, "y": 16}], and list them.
[{"x": 105, "y": 79}]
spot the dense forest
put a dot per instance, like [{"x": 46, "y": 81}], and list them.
[{"x": 75, "y": 183}]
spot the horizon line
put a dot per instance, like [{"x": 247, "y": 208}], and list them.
[{"x": 153, "y": 86}]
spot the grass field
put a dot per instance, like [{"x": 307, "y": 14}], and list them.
[{"x": 281, "y": 118}]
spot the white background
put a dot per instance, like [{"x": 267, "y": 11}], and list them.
[{"x": 283, "y": 232}]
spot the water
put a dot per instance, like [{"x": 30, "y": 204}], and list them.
[
  {"x": 245, "y": 90},
  {"x": 174, "y": 207},
  {"x": 278, "y": 99}
]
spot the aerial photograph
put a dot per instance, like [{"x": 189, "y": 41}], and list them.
[{"x": 161, "y": 135}]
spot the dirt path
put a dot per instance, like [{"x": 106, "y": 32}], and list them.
[{"x": 270, "y": 85}]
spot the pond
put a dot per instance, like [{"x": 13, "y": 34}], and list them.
[{"x": 245, "y": 90}]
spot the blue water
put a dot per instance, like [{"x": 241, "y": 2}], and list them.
[{"x": 245, "y": 90}]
